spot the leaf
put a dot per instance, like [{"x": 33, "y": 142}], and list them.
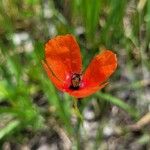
[
  {"x": 8, "y": 128},
  {"x": 3, "y": 90},
  {"x": 118, "y": 102}
]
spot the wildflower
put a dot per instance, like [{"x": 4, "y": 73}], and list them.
[{"x": 63, "y": 64}]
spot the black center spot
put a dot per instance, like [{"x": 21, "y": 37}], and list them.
[{"x": 75, "y": 81}]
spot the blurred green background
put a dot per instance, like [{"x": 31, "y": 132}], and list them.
[{"x": 35, "y": 115}]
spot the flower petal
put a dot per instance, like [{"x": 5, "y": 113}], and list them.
[
  {"x": 101, "y": 67},
  {"x": 86, "y": 91},
  {"x": 63, "y": 56},
  {"x": 55, "y": 81}
]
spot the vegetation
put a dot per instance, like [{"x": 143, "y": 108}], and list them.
[{"x": 31, "y": 106}]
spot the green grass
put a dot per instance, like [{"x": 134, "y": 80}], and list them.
[{"x": 21, "y": 72}]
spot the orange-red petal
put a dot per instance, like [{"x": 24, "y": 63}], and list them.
[
  {"x": 52, "y": 77},
  {"x": 100, "y": 69},
  {"x": 62, "y": 55},
  {"x": 86, "y": 91}
]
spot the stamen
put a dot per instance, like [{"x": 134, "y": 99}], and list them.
[{"x": 75, "y": 81}]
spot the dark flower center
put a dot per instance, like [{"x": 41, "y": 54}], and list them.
[{"x": 75, "y": 81}]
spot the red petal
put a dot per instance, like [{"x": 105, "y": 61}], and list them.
[
  {"x": 86, "y": 91},
  {"x": 63, "y": 56},
  {"x": 101, "y": 67},
  {"x": 56, "y": 82}
]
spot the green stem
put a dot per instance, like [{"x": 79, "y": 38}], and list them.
[{"x": 76, "y": 109}]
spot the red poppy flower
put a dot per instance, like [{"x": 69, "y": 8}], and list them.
[{"x": 63, "y": 65}]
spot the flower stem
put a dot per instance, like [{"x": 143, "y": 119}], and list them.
[{"x": 76, "y": 109}]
